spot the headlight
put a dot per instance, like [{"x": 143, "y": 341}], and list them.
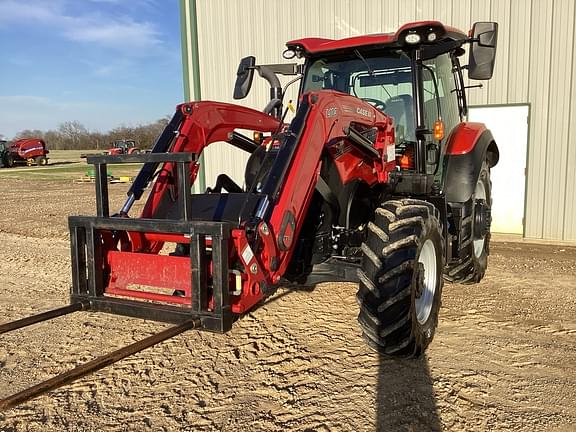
[{"x": 412, "y": 38}]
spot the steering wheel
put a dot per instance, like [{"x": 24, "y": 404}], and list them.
[{"x": 376, "y": 103}]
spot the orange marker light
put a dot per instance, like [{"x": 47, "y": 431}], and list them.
[
  {"x": 438, "y": 130},
  {"x": 406, "y": 161}
]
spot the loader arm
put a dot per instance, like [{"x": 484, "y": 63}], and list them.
[
  {"x": 203, "y": 123},
  {"x": 194, "y": 126},
  {"x": 322, "y": 118},
  {"x": 229, "y": 250}
]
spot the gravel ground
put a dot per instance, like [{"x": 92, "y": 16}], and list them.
[{"x": 503, "y": 358}]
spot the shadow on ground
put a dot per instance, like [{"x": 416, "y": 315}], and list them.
[
  {"x": 61, "y": 163},
  {"x": 405, "y": 398}
]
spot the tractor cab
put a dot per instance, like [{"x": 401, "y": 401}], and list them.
[
  {"x": 413, "y": 75},
  {"x": 124, "y": 144}
]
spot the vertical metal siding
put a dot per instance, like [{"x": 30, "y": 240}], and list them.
[
  {"x": 520, "y": 35},
  {"x": 498, "y": 89},
  {"x": 570, "y": 194},
  {"x": 536, "y": 62},
  {"x": 538, "y": 87},
  {"x": 480, "y": 11},
  {"x": 558, "y": 117},
  {"x": 406, "y": 11},
  {"x": 424, "y": 10}
]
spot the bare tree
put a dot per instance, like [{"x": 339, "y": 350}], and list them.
[
  {"x": 29, "y": 133},
  {"x": 74, "y": 135}
]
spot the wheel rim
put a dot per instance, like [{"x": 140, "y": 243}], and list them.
[
  {"x": 479, "y": 194},
  {"x": 424, "y": 303}
]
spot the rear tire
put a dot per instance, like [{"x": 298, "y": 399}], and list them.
[
  {"x": 475, "y": 236},
  {"x": 9, "y": 161},
  {"x": 41, "y": 161},
  {"x": 401, "y": 278}
]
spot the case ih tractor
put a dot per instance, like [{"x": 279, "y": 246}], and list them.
[
  {"x": 378, "y": 179},
  {"x": 123, "y": 147}
]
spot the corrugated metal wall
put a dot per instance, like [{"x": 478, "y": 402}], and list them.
[{"x": 535, "y": 64}]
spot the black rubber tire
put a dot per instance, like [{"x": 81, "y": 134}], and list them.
[
  {"x": 470, "y": 269},
  {"x": 9, "y": 161},
  {"x": 391, "y": 277},
  {"x": 41, "y": 160}
]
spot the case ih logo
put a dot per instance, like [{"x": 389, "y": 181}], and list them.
[
  {"x": 363, "y": 112},
  {"x": 331, "y": 112}
]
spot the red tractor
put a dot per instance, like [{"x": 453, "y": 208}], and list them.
[
  {"x": 31, "y": 151},
  {"x": 378, "y": 180},
  {"x": 123, "y": 147}
]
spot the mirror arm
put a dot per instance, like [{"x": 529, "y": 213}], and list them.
[
  {"x": 266, "y": 73},
  {"x": 270, "y": 106},
  {"x": 275, "y": 88}
]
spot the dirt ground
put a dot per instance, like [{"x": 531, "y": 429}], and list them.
[{"x": 503, "y": 359}]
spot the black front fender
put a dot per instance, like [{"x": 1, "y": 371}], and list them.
[{"x": 461, "y": 171}]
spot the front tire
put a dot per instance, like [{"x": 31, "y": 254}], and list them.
[
  {"x": 475, "y": 234},
  {"x": 401, "y": 278}
]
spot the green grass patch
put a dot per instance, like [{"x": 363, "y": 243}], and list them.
[{"x": 65, "y": 172}]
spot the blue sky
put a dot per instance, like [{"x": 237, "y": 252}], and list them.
[{"x": 103, "y": 63}]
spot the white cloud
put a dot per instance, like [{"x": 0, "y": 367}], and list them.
[
  {"x": 121, "y": 33},
  {"x": 24, "y": 100}
]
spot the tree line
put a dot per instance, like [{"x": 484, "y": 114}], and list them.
[{"x": 73, "y": 135}]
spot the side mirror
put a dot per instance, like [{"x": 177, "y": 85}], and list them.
[
  {"x": 483, "y": 50},
  {"x": 244, "y": 77}
]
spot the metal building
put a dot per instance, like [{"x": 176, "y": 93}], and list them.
[{"x": 535, "y": 69}]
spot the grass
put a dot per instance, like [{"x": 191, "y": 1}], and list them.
[
  {"x": 65, "y": 165},
  {"x": 64, "y": 172}
]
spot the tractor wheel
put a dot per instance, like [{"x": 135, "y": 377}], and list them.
[
  {"x": 41, "y": 160},
  {"x": 475, "y": 234},
  {"x": 9, "y": 161},
  {"x": 401, "y": 278}
]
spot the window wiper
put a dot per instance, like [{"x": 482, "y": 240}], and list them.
[{"x": 370, "y": 71}]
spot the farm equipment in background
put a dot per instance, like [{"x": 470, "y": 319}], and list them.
[
  {"x": 378, "y": 180},
  {"x": 123, "y": 146},
  {"x": 5, "y": 157},
  {"x": 30, "y": 151}
]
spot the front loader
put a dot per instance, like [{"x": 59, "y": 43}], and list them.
[{"x": 378, "y": 179}]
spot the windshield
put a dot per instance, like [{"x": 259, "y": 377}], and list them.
[{"x": 384, "y": 82}]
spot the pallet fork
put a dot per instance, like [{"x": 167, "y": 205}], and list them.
[{"x": 87, "y": 292}]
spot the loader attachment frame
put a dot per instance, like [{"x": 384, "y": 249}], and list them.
[{"x": 88, "y": 234}]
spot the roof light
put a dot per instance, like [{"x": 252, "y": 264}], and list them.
[
  {"x": 289, "y": 54},
  {"x": 432, "y": 37},
  {"x": 412, "y": 38}
]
